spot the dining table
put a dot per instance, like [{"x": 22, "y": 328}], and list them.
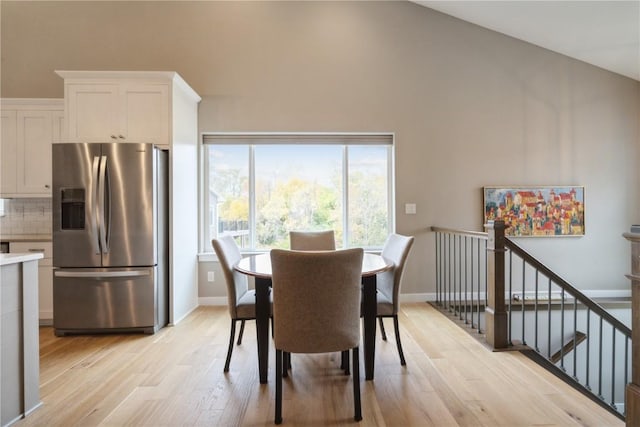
[{"x": 259, "y": 267}]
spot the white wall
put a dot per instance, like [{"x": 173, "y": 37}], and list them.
[{"x": 469, "y": 107}]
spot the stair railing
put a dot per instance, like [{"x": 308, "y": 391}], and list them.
[
  {"x": 521, "y": 304},
  {"x": 461, "y": 274}
]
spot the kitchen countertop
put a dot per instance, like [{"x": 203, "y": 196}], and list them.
[
  {"x": 25, "y": 237},
  {"x": 6, "y": 259}
]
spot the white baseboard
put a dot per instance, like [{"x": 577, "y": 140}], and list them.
[
  {"x": 403, "y": 298},
  {"x": 212, "y": 300},
  {"x": 431, "y": 296},
  {"x": 45, "y": 317}
]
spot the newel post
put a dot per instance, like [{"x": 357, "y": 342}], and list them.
[
  {"x": 632, "y": 401},
  {"x": 496, "y": 311}
]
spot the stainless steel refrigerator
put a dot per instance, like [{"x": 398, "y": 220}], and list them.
[{"x": 110, "y": 230}]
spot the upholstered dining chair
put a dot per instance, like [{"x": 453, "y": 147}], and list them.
[
  {"x": 241, "y": 300},
  {"x": 322, "y": 315},
  {"x": 312, "y": 240},
  {"x": 396, "y": 249}
]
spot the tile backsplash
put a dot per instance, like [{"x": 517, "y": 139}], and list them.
[{"x": 26, "y": 216}]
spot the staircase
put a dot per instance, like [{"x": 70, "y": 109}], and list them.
[{"x": 498, "y": 290}]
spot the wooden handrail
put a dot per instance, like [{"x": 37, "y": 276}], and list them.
[
  {"x": 567, "y": 287},
  {"x": 469, "y": 233}
]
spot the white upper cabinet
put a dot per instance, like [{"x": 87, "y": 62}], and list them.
[
  {"x": 117, "y": 106},
  {"x": 92, "y": 112},
  {"x": 29, "y": 127},
  {"x": 145, "y": 113},
  {"x": 8, "y": 152}
]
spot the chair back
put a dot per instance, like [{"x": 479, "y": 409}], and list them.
[
  {"x": 395, "y": 249},
  {"x": 228, "y": 253},
  {"x": 312, "y": 240},
  {"x": 316, "y": 300}
]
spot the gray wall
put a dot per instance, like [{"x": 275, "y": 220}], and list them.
[{"x": 469, "y": 107}]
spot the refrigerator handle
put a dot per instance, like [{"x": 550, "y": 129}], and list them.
[
  {"x": 101, "y": 274},
  {"x": 94, "y": 205},
  {"x": 102, "y": 184}
]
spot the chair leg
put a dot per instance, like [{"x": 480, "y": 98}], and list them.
[
  {"x": 357, "y": 406},
  {"x": 286, "y": 363},
  {"x": 382, "y": 331},
  {"x": 398, "y": 343},
  {"x": 344, "y": 364},
  {"x": 278, "y": 417},
  {"x": 241, "y": 332},
  {"x": 230, "y": 350}
]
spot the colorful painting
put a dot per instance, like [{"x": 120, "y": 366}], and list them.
[{"x": 536, "y": 211}]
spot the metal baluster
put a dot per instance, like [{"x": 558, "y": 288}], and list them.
[
  {"x": 509, "y": 324},
  {"x": 466, "y": 278},
  {"x": 486, "y": 275},
  {"x": 524, "y": 340},
  {"x": 562, "y": 331},
  {"x": 535, "y": 310},
  {"x": 452, "y": 289},
  {"x": 443, "y": 265},
  {"x": 479, "y": 271},
  {"x": 448, "y": 307},
  {"x": 549, "y": 322},
  {"x": 458, "y": 291},
  {"x": 438, "y": 261},
  {"x": 600, "y": 363},
  {"x": 455, "y": 272},
  {"x": 472, "y": 282},
  {"x": 613, "y": 367},
  {"x": 588, "y": 347},
  {"x": 575, "y": 336}
]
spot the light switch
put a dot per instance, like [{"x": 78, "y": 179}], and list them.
[{"x": 410, "y": 208}]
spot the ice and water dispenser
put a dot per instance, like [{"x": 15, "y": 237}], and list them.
[{"x": 73, "y": 206}]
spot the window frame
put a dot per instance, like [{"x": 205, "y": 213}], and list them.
[{"x": 253, "y": 139}]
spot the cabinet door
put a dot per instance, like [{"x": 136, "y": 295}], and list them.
[
  {"x": 34, "y": 153},
  {"x": 57, "y": 123},
  {"x": 92, "y": 112},
  {"x": 45, "y": 292},
  {"x": 8, "y": 148},
  {"x": 145, "y": 113},
  {"x": 45, "y": 274}
]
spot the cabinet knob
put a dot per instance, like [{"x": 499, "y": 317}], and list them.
[
  {"x": 47, "y": 186},
  {"x": 121, "y": 136},
  {"x": 114, "y": 137}
]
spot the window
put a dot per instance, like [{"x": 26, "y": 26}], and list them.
[{"x": 261, "y": 186}]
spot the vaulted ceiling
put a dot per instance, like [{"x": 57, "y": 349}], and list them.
[{"x": 601, "y": 33}]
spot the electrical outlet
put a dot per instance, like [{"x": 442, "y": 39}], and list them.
[{"x": 211, "y": 276}]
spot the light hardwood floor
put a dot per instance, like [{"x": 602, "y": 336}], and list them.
[{"x": 175, "y": 378}]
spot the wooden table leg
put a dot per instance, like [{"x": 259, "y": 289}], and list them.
[
  {"x": 370, "y": 309},
  {"x": 263, "y": 287}
]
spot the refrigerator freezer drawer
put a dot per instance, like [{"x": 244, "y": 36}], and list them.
[{"x": 106, "y": 300}]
